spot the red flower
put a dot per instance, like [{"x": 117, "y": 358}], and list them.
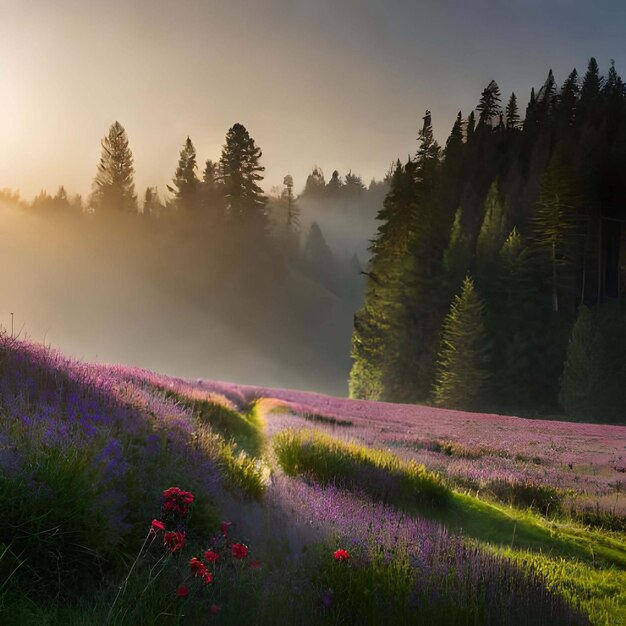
[
  {"x": 214, "y": 609},
  {"x": 211, "y": 556},
  {"x": 198, "y": 567},
  {"x": 255, "y": 563},
  {"x": 224, "y": 526},
  {"x": 341, "y": 555},
  {"x": 240, "y": 551},
  {"x": 176, "y": 500},
  {"x": 207, "y": 577},
  {"x": 182, "y": 592},
  {"x": 156, "y": 526},
  {"x": 174, "y": 540}
]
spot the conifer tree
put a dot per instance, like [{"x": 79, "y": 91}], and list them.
[
  {"x": 614, "y": 87},
  {"x": 592, "y": 82},
  {"x": 457, "y": 258},
  {"x": 463, "y": 375},
  {"x": 470, "y": 128},
  {"x": 373, "y": 341},
  {"x": 512, "y": 113},
  {"x": 556, "y": 227},
  {"x": 489, "y": 105},
  {"x": 493, "y": 230},
  {"x": 353, "y": 186},
  {"x": 568, "y": 99},
  {"x": 185, "y": 181},
  {"x": 335, "y": 185},
  {"x": 455, "y": 140},
  {"x": 241, "y": 172},
  {"x": 315, "y": 185},
  {"x": 113, "y": 187}
]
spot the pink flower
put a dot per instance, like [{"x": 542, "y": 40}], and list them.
[
  {"x": 207, "y": 577},
  {"x": 341, "y": 555},
  {"x": 255, "y": 564},
  {"x": 214, "y": 609},
  {"x": 239, "y": 550},
  {"x": 224, "y": 526},
  {"x": 182, "y": 592}
]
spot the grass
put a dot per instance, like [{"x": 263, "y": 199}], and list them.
[{"x": 376, "y": 472}]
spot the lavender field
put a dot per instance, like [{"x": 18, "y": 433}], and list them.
[{"x": 134, "y": 498}]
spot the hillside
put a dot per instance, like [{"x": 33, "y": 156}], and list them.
[{"x": 342, "y": 511}]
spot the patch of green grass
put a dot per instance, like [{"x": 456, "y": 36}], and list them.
[
  {"x": 245, "y": 472},
  {"x": 598, "y": 592},
  {"x": 245, "y": 428},
  {"x": 376, "y": 472}
]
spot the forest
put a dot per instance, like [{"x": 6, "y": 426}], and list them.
[{"x": 499, "y": 264}]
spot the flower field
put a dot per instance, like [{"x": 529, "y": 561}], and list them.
[{"x": 134, "y": 498}]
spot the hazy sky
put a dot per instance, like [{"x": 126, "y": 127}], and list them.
[{"x": 339, "y": 83}]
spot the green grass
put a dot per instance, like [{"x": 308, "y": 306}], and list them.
[
  {"x": 598, "y": 592},
  {"x": 245, "y": 428},
  {"x": 376, "y": 472}
]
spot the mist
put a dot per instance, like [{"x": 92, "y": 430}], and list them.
[{"x": 190, "y": 298}]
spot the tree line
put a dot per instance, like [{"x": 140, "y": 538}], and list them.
[{"x": 498, "y": 269}]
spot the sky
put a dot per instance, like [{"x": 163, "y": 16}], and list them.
[{"x": 341, "y": 84}]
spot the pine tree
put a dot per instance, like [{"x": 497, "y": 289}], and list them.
[
  {"x": 512, "y": 113},
  {"x": 592, "y": 82},
  {"x": 556, "y": 227},
  {"x": 315, "y": 185},
  {"x": 293, "y": 212},
  {"x": 455, "y": 140},
  {"x": 489, "y": 105},
  {"x": 373, "y": 340},
  {"x": 186, "y": 183},
  {"x": 493, "y": 230},
  {"x": 241, "y": 172},
  {"x": 470, "y": 128},
  {"x": 353, "y": 186},
  {"x": 151, "y": 204},
  {"x": 457, "y": 258},
  {"x": 568, "y": 99},
  {"x": 113, "y": 188},
  {"x": 546, "y": 99},
  {"x": 335, "y": 185},
  {"x": 614, "y": 87},
  {"x": 463, "y": 377}
]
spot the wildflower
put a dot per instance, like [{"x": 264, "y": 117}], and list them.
[
  {"x": 341, "y": 555},
  {"x": 224, "y": 526},
  {"x": 255, "y": 564},
  {"x": 240, "y": 551},
  {"x": 211, "y": 556},
  {"x": 197, "y": 567},
  {"x": 207, "y": 577},
  {"x": 157, "y": 526},
  {"x": 182, "y": 592},
  {"x": 175, "y": 500},
  {"x": 174, "y": 540},
  {"x": 215, "y": 609}
]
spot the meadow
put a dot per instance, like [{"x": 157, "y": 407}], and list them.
[{"x": 134, "y": 498}]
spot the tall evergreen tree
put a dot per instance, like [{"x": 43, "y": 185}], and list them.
[
  {"x": 241, "y": 172},
  {"x": 185, "y": 182},
  {"x": 463, "y": 375},
  {"x": 489, "y": 105},
  {"x": 556, "y": 228},
  {"x": 373, "y": 341},
  {"x": 568, "y": 99},
  {"x": 470, "y": 128},
  {"x": 455, "y": 140},
  {"x": 335, "y": 185},
  {"x": 315, "y": 185},
  {"x": 113, "y": 187},
  {"x": 512, "y": 113}
]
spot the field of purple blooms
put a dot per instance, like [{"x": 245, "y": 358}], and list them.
[
  {"x": 585, "y": 463},
  {"x": 118, "y": 487}
]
